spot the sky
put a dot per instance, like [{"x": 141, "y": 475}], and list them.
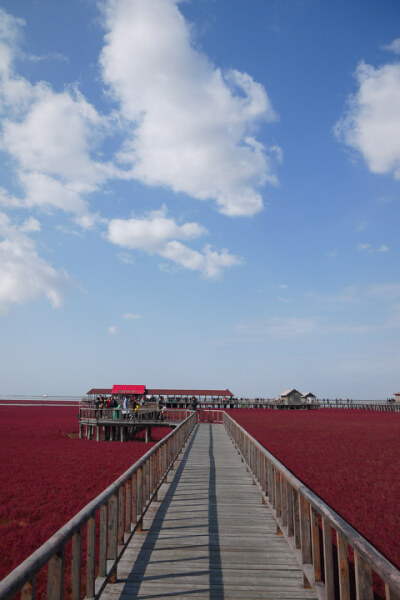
[{"x": 200, "y": 194}]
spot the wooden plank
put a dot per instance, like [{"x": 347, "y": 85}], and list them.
[
  {"x": 28, "y": 591},
  {"x": 112, "y": 538},
  {"x": 211, "y": 537},
  {"x": 316, "y": 553},
  {"x": 103, "y": 542},
  {"x": 328, "y": 560},
  {"x": 364, "y": 589},
  {"x": 344, "y": 577},
  {"x": 55, "y": 576},
  {"x": 91, "y": 558},
  {"x": 76, "y": 565}
]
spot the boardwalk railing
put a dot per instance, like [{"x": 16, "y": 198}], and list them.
[
  {"x": 111, "y": 519},
  {"x": 302, "y": 517},
  {"x": 112, "y": 414},
  {"x": 359, "y": 405}
]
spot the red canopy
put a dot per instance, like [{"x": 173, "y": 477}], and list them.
[{"x": 129, "y": 389}]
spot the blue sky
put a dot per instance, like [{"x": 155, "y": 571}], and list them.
[{"x": 200, "y": 194}]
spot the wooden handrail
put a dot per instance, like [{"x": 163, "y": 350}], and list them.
[
  {"x": 122, "y": 507},
  {"x": 298, "y": 510}
]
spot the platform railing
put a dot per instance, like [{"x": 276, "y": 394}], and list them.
[
  {"x": 116, "y": 414},
  {"x": 110, "y": 519},
  {"x": 310, "y": 527},
  {"x": 176, "y": 414},
  {"x": 204, "y": 415}
]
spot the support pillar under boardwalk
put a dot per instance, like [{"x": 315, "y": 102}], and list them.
[
  {"x": 147, "y": 435},
  {"x": 210, "y": 537}
]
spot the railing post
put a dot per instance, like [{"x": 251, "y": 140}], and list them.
[
  {"x": 316, "y": 552},
  {"x": 328, "y": 560},
  {"x": 102, "y": 543},
  {"x": 364, "y": 590},
  {"x": 76, "y": 565},
  {"x": 112, "y": 527},
  {"x": 134, "y": 498},
  {"x": 389, "y": 595},
  {"x": 290, "y": 516},
  {"x": 305, "y": 531},
  {"x": 121, "y": 514},
  {"x": 55, "y": 576},
  {"x": 28, "y": 591},
  {"x": 139, "y": 501},
  {"x": 284, "y": 501},
  {"x": 344, "y": 579},
  {"x": 128, "y": 505},
  {"x": 91, "y": 557},
  {"x": 278, "y": 493}
]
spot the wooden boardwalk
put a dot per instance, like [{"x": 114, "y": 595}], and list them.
[{"x": 210, "y": 537}]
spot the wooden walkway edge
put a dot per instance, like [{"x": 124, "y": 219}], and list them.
[{"x": 210, "y": 536}]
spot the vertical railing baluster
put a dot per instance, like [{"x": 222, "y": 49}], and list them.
[
  {"x": 296, "y": 518},
  {"x": 28, "y": 591},
  {"x": 121, "y": 514},
  {"x": 55, "y": 576},
  {"x": 112, "y": 542},
  {"x": 128, "y": 505},
  {"x": 103, "y": 542},
  {"x": 343, "y": 562},
  {"x": 76, "y": 565},
  {"x": 284, "y": 500},
  {"x": 305, "y": 533},
  {"x": 328, "y": 560},
  {"x": 290, "y": 517},
  {"x": 364, "y": 589},
  {"x": 278, "y": 493},
  {"x": 91, "y": 557},
  {"x": 316, "y": 552},
  {"x": 389, "y": 594}
]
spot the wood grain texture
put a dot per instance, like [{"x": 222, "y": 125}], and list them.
[{"x": 210, "y": 536}]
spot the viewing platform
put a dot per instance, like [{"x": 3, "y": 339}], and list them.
[{"x": 112, "y": 424}]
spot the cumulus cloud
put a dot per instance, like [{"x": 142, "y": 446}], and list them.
[
  {"x": 394, "y": 46},
  {"x": 51, "y": 138},
  {"x": 152, "y": 232},
  {"x": 159, "y": 234},
  {"x": 371, "y": 125},
  {"x": 191, "y": 126},
  {"x": 24, "y": 276}
]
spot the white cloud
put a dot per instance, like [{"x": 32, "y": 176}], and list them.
[
  {"x": 371, "y": 124},
  {"x": 348, "y": 296},
  {"x": 281, "y": 286},
  {"x": 112, "y": 330},
  {"x": 386, "y": 291},
  {"x": 159, "y": 234},
  {"x": 364, "y": 248},
  {"x": 191, "y": 126},
  {"x": 292, "y": 327},
  {"x": 151, "y": 233},
  {"x": 332, "y": 253},
  {"x": 125, "y": 258},
  {"x": 24, "y": 276},
  {"x": 394, "y": 46},
  {"x": 131, "y": 316},
  {"x": 371, "y": 250},
  {"x": 52, "y": 138}
]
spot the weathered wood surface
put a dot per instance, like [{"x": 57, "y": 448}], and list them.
[{"x": 210, "y": 536}]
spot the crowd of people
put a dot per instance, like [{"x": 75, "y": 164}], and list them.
[{"x": 128, "y": 406}]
